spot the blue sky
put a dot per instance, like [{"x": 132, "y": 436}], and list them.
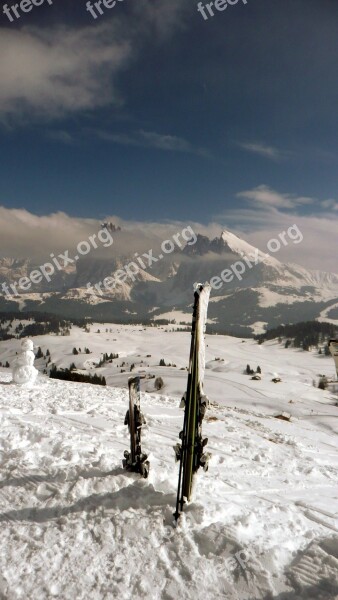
[{"x": 152, "y": 113}]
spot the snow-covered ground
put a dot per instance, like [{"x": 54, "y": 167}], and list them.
[{"x": 264, "y": 519}]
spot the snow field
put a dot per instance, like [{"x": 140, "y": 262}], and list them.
[{"x": 264, "y": 519}]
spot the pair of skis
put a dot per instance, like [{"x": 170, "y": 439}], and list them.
[
  {"x": 190, "y": 452},
  {"x": 135, "y": 460}
]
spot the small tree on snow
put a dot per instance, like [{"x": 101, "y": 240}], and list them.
[
  {"x": 323, "y": 383},
  {"x": 39, "y": 353},
  {"x": 158, "y": 383}
]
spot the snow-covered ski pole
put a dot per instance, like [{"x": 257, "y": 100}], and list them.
[
  {"x": 135, "y": 460},
  {"x": 190, "y": 452}
]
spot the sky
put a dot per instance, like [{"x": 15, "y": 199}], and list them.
[{"x": 153, "y": 114}]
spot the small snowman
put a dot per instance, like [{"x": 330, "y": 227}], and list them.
[{"x": 24, "y": 372}]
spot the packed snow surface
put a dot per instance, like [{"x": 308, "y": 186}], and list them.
[{"x": 264, "y": 519}]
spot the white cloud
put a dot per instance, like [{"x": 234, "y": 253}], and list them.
[
  {"x": 263, "y": 150},
  {"x": 169, "y": 142},
  {"x": 265, "y": 196},
  {"x": 53, "y": 72},
  {"x": 160, "y": 18},
  {"x": 24, "y": 234},
  {"x": 330, "y": 204},
  {"x": 151, "y": 139}
]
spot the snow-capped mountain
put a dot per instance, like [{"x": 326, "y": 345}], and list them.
[{"x": 252, "y": 289}]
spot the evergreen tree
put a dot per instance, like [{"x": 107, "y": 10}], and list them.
[{"x": 39, "y": 353}]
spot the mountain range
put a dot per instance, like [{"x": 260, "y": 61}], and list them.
[{"x": 257, "y": 291}]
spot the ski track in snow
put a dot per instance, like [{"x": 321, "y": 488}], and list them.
[{"x": 75, "y": 525}]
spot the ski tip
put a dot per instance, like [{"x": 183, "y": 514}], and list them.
[{"x": 199, "y": 287}]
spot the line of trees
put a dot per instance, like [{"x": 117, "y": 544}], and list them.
[
  {"x": 40, "y": 323},
  {"x": 303, "y": 335},
  {"x": 71, "y": 375}
]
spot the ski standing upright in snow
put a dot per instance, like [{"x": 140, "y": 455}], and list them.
[
  {"x": 135, "y": 460},
  {"x": 190, "y": 452}
]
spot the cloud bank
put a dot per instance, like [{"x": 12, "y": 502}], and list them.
[{"x": 24, "y": 234}]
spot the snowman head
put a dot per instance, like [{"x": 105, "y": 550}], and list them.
[{"x": 27, "y": 344}]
